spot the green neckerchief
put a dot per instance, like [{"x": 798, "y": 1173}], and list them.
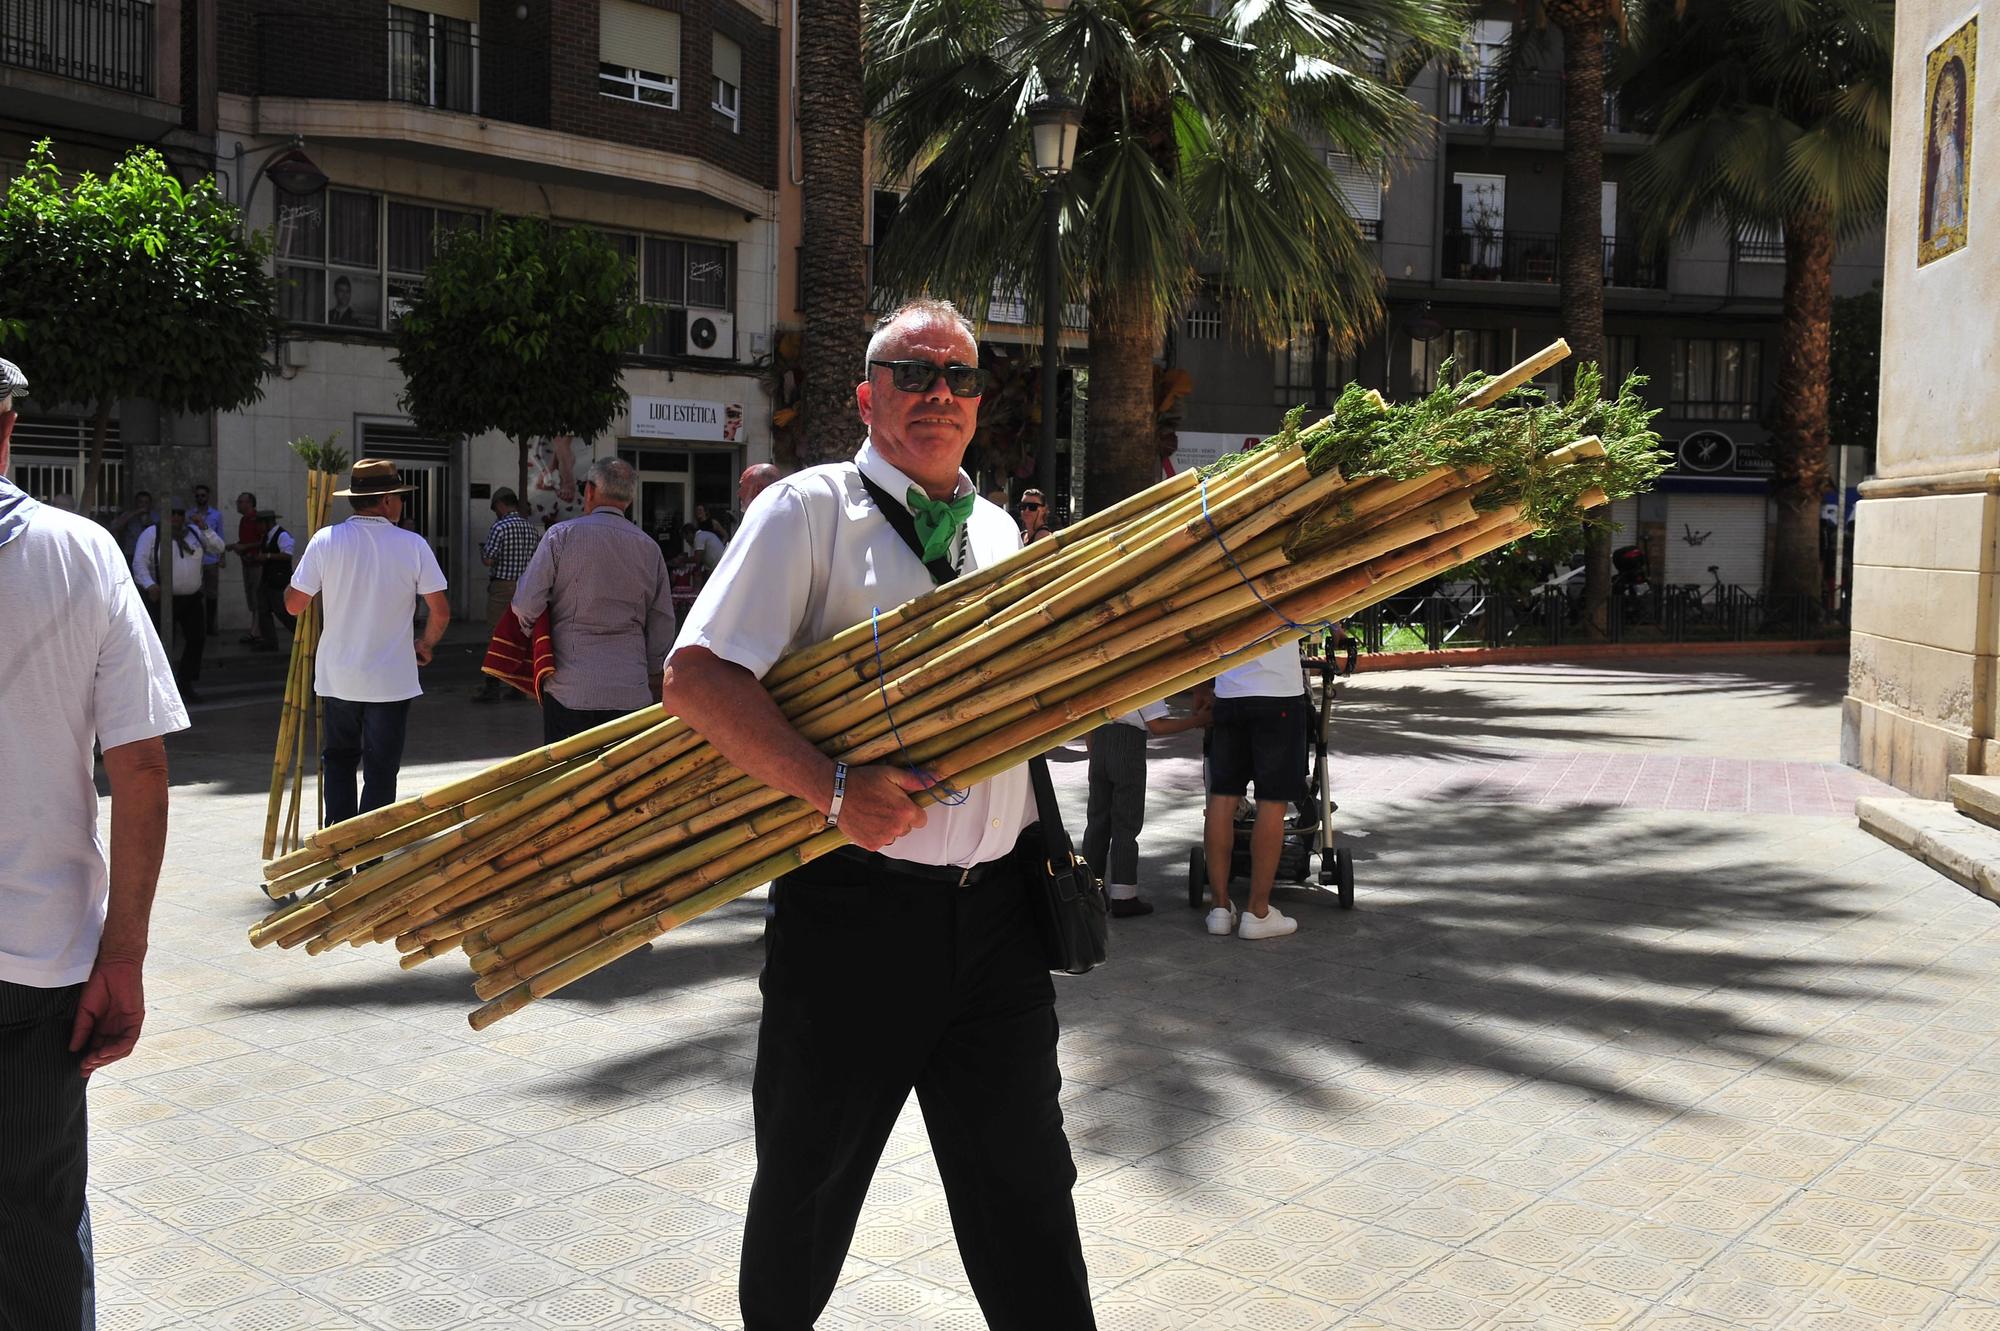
[{"x": 938, "y": 520}]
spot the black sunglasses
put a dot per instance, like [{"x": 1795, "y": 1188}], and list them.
[
  {"x": 1031, "y": 506},
  {"x": 917, "y": 376}
]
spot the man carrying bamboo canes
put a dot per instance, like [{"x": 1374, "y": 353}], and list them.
[
  {"x": 79, "y": 664},
  {"x": 371, "y": 573},
  {"x": 907, "y": 960}
]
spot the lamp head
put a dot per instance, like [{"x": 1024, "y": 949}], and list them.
[{"x": 1053, "y": 122}]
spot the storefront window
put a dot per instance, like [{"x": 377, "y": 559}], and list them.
[{"x": 331, "y": 248}]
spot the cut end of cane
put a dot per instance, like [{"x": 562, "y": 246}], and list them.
[
  {"x": 1590, "y": 446},
  {"x": 1592, "y": 498}
]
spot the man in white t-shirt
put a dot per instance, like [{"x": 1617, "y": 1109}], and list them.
[
  {"x": 369, "y": 573},
  {"x": 1259, "y": 738},
  {"x": 80, "y": 666}
]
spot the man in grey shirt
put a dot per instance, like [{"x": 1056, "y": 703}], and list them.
[{"x": 611, "y": 613}]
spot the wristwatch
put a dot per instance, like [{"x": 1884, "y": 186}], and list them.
[{"x": 839, "y": 793}]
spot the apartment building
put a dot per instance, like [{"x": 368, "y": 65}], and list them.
[
  {"x": 360, "y": 132},
  {"x": 1466, "y": 228}
]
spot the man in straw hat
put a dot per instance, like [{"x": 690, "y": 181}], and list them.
[
  {"x": 908, "y": 960},
  {"x": 79, "y": 665},
  {"x": 369, "y": 573}
]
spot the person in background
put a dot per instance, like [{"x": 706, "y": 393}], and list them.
[
  {"x": 209, "y": 516},
  {"x": 997, "y": 496},
  {"x": 1034, "y": 518},
  {"x": 1117, "y": 806},
  {"x": 81, "y": 668},
  {"x": 1259, "y": 737},
  {"x": 611, "y": 610},
  {"x": 180, "y": 568},
  {"x": 273, "y": 562},
  {"x": 249, "y": 541},
  {"x": 509, "y": 545},
  {"x": 132, "y": 521},
  {"x": 706, "y": 543},
  {"x": 753, "y": 481},
  {"x": 371, "y": 574}
]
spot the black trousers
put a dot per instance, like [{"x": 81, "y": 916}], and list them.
[
  {"x": 874, "y": 988},
  {"x": 46, "y": 1273},
  {"x": 364, "y": 737},
  {"x": 560, "y": 722},
  {"x": 191, "y": 626},
  {"x": 1117, "y": 807}
]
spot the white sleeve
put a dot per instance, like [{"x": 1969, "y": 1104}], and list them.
[
  {"x": 285, "y": 543},
  {"x": 142, "y": 557},
  {"x": 305, "y": 573},
  {"x": 132, "y": 695},
  {"x": 753, "y": 605},
  {"x": 210, "y": 541},
  {"x": 430, "y": 578}
]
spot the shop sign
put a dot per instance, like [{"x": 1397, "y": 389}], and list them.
[
  {"x": 685, "y": 418},
  {"x": 1198, "y": 448},
  {"x": 1713, "y": 453}
]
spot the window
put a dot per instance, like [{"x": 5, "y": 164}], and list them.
[
  {"x": 1760, "y": 244},
  {"x": 1717, "y": 379},
  {"x": 331, "y": 247},
  {"x": 1488, "y": 350},
  {"x": 1360, "y": 188},
  {"x": 434, "y": 54},
  {"x": 1621, "y": 359},
  {"x": 639, "y": 53},
  {"x": 728, "y": 96},
  {"x": 1294, "y": 368},
  {"x": 1203, "y": 322},
  {"x": 677, "y": 274}
]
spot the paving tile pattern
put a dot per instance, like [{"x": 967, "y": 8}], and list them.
[{"x": 1572, "y": 1064}]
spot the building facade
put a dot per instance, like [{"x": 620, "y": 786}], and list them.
[
  {"x": 652, "y": 122},
  {"x": 1465, "y": 227}
]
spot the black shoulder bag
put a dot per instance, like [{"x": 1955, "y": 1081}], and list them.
[{"x": 1068, "y": 900}]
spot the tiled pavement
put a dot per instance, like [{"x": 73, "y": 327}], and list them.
[{"x": 1609, "y": 1062}]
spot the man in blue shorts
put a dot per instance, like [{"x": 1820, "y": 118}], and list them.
[{"x": 1259, "y": 738}]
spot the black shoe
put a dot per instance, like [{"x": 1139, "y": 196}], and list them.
[
  {"x": 190, "y": 696},
  {"x": 1126, "y": 907}
]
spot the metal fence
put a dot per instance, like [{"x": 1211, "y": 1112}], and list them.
[
  {"x": 1478, "y": 614},
  {"x": 105, "y": 42},
  {"x": 1536, "y": 256}
]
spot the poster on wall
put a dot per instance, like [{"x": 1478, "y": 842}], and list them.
[
  {"x": 554, "y": 468},
  {"x": 1949, "y": 76}
]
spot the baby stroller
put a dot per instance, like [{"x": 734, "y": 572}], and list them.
[{"x": 1309, "y": 833}]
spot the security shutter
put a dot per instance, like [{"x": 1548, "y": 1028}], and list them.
[
  {"x": 635, "y": 36},
  {"x": 1360, "y": 186},
  {"x": 728, "y": 61},
  {"x": 1728, "y": 531},
  {"x": 468, "y": 10},
  {"x": 1625, "y": 522}
]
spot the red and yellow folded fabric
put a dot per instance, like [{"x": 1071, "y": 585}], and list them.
[{"x": 516, "y": 656}]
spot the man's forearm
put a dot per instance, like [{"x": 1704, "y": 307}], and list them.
[
  {"x": 729, "y": 706},
  {"x": 138, "y": 777}
]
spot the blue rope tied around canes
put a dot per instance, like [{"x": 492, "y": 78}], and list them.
[
  {"x": 955, "y": 796},
  {"x": 1285, "y": 621}
]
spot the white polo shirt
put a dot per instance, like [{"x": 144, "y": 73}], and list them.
[
  {"x": 1152, "y": 711},
  {"x": 1273, "y": 674},
  {"x": 814, "y": 556},
  {"x": 370, "y": 573},
  {"x": 79, "y": 664}
]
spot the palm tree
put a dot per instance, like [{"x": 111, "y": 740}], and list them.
[
  {"x": 1201, "y": 150},
  {"x": 1774, "y": 114},
  {"x": 833, "y": 130}
]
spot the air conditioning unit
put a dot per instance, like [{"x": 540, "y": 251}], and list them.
[{"x": 711, "y": 334}]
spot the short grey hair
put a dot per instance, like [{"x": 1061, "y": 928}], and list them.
[
  {"x": 922, "y": 310},
  {"x": 614, "y": 479}
]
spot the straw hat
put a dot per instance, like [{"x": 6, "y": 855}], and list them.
[{"x": 374, "y": 476}]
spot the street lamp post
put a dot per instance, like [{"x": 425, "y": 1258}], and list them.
[{"x": 1053, "y": 121}]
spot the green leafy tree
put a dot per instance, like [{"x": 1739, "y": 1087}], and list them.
[
  {"x": 1200, "y": 153},
  {"x": 131, "y": 286},
  {"x": 1774, "y": 114},
  {"x": 521, "y": 328}
]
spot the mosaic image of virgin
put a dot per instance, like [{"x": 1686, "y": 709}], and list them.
[{"x": 1947, "y": 145}]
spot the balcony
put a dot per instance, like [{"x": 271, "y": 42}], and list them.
[
  {"x": 1536, "y": 256},
  {"x": 1531, "y": 101},
  {"x": 413, "y": 58},
  {"x": 105, "y": 43}
]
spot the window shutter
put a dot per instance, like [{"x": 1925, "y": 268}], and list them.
[
  {"x": 728, "y": 61},
  {"x": 1360, "y": 186},
  {"x": 635, "y": 36},
  {"x": 468, "y": 10}
]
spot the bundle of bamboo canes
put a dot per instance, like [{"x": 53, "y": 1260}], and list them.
[
  {"x": 324, "y": 463},
  {"x": 552, "y": 864}
]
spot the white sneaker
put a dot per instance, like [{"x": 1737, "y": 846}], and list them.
[
  {"x": 1274, "y": 924},
  {"x": 1222, "y": 921}
]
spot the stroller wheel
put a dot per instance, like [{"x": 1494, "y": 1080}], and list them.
[
  {"x": 1197, "y": 877},
  {"x": 1343, "y": 875}
]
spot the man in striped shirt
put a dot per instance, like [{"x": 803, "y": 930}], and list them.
[{"x": 510, "y": 543}]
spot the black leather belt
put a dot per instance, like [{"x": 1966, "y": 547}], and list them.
[{"x": 875, "y": 862}]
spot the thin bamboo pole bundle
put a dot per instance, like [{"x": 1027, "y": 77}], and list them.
[
  {"x": 539, "y": 886},
  {"x": 300, "y": 718}
]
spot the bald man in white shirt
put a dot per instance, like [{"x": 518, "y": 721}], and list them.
[{"x": 907, "y": 961}]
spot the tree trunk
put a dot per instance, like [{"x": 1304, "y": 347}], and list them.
[
  {"x": 832, "y": 130},
  {"x": 93, "y": 470},
  {"x": 1121, "y": 451},
  {"x": 1804, "y": 377},
  {"x": 1582, "y": 247},
  {"x": 521, "y": 475}
]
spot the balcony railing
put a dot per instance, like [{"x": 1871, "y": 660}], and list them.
[
  {"x": 420, "y": 61},
  {"x": 1530, "y": 101},
  {"x": 105, "y": 42},
  {"x": 1536, "y": 256}
]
